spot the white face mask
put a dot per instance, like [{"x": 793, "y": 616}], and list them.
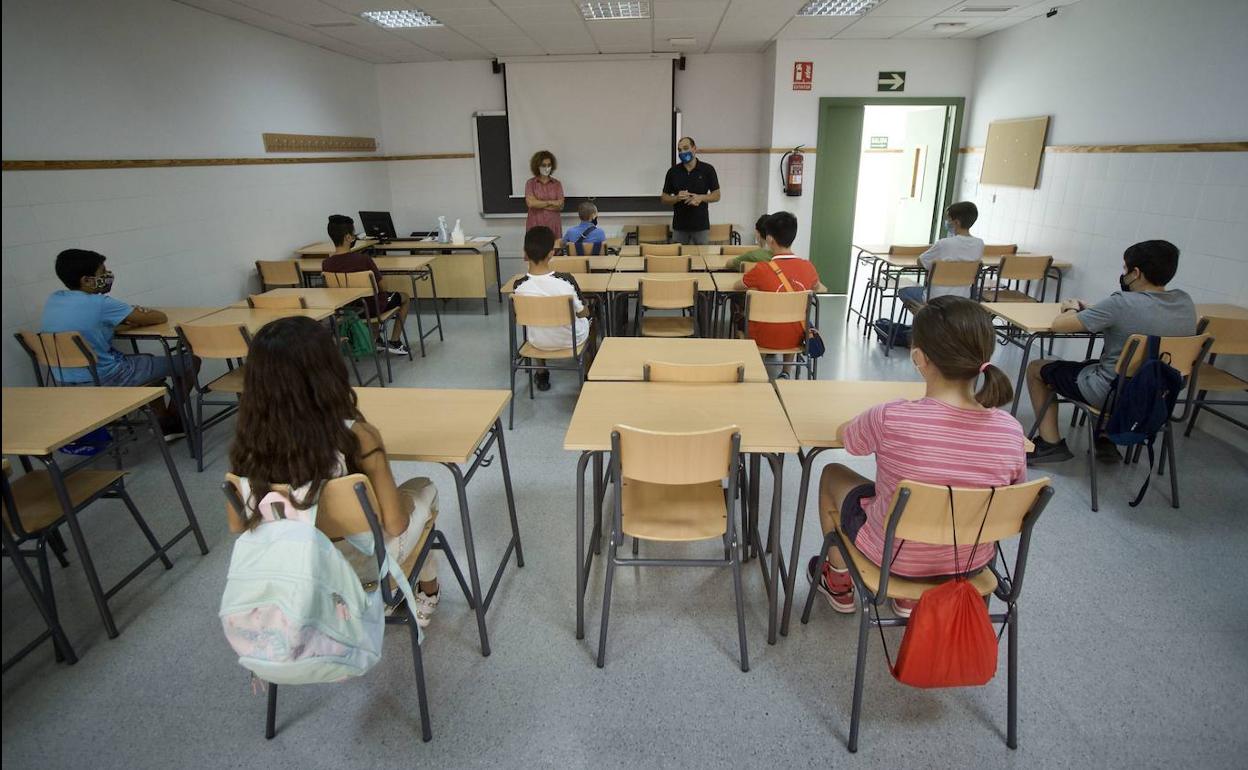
[{"x": 545, "y": 170}]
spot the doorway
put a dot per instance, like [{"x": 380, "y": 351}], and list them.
[{"x": 885, "y": 175}]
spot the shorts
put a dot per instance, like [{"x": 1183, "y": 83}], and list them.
[
  {"x": 914, "y": 294},
  {"x": 1063, "y": 377},
  {"x": 141, "y": 368},
  {"x": 852, "y": 514},
  {"x": 699, "y": 237},
  {"x": 390, "y": 300}
]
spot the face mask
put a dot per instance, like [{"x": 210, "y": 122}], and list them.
[
  {"x": 545, "y": 170},
  {"x": 1123, "y": 283},
  {"x": 104, "y": 283},
  {"x": 595, "y": 221},
  {"x": 685, "y": 156}
]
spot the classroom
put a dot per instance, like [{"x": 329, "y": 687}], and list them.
[{"x": 624, "y": 383}]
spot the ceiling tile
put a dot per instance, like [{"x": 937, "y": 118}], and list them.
[
  {"x": 878, "y": 28},
  {"x": 928, "y": 28},
  {"x": 636, "y": 31},
  {"x": 814, "y": 27},
  {"x": 511, "y": 46},
  {"x": 471, "y": 17},
  {"x": 298, "y": 11},
  {"x": 916, "y": 8},
  {"x": 688, "y": 9},
  {"x": 564, "y": 13}
]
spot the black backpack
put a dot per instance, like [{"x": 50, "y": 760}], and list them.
[
  {"x": 1142, "y": 406},
  {"x": 883, "y": 327}
]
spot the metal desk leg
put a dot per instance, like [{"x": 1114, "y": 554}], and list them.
[
  {"x": 777, "y": 552},
  {"x": 853, "y": 281},
  {"x": 581, "y": 568},
  {"x": 752, "y": 505},
  {"x": 191, "y": 521},
  {"x": 498, "y": 275},
  {"x": 55, "y": 632},
  {"x": 470, "y": 555},
  {"x": 80, "y": 543},
  {"x": 808, "y": 461},
  {"x": 1022, "y": 370}
]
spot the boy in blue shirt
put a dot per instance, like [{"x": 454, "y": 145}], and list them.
[
  {"x": 586, "y": 237},
  {"x": 85, "y": 307}
]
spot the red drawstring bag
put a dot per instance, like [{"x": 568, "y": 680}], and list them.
[{"x": 949, "y": 641}]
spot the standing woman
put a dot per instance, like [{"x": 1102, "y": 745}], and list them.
[{"x": 543, "y": 194}]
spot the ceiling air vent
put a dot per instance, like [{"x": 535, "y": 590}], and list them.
[{"x": 986, "y": 8}]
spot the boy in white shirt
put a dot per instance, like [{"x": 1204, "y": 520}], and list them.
[
  {"x": 543, "y": 281},
  {"x": 958, "y": 246}
]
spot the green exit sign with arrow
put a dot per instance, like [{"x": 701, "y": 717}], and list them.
[{"x": 891, "y": 81}]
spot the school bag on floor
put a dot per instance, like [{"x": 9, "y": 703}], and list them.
[
  {"x": 883, "y": 327},
  {"x": 356, "y": 339},
  {"x": 294, "y": 609},
  {"x": 1144, "y": 405}
]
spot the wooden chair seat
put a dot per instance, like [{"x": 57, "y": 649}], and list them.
[
  {"x": 674, "y": 513},
  {"x": 37, "y": 505},
  {"x": 230, "y": 382},
  {"x": 527, "y": 350},
  {"x": 667, "y": 326},
  {"x": 780, "y": 351},
  {"x": 1007, "y": 295},
  {"x": 1217, "y": 380},
  {"x": 908, "y": 588}
]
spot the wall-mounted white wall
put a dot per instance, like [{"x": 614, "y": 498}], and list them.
[{"x": 151, "y": 78}]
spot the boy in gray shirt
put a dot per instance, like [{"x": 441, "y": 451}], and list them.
[{"x": 1144, "y": 306}]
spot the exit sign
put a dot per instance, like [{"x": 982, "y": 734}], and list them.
[
  {"x": 879, "y": 142},
  {"x": 892, "y": 80}
]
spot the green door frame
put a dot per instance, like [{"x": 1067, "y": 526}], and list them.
[{"x": 836, "y": 177}]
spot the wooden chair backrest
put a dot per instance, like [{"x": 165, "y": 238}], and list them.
[
  {"x": 1024, "y": 268},
  {"x": 663, "y": 371},
  {"x": 652, "y": 234},
  {"x": 277, "y": 301},
  {"x": 668, "y": 264},
  {"x": 660, "y": 249},
  {"x": 694, "y": 250},
  {"x": 951, "y": 273},
  {"x": 907, "y": 251},
  {"x": 58, "y": 349},
  {"x": 675, "y": 458},
  {"x": 361, "y": 279},
  {"x": 279, "y": 272},
  {"x": 1230, "y": 335},
  {"x": 217, "y": 341},
  {"x": 586, "y": 248},
  {"x": 338, "y": 512},
  {"x": 1000, "y": 249},
  {"x": 777, "y": 306},
  {"x": 927, "y": 518},
  {"x": 667, "y": 294},
  {"x": 733, "y": 251},
  {"x": 570, "y": 264},
  {"x": 542, "y": 311},
  {"x": 720, "y": 234},
  {"x": 1184, "y": 353}
]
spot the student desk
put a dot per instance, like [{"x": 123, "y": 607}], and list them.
[
  {"x": 452, "y": 428},
  {"x": 39, "y": 421},
  {"x": 752, "y": 407},
  {"x": 1221, "y": 310},
  {"x": 1035, "y": 321},
  {"x": 623, "y": 359},
  {"x": 603, "y": 263},
  {"x": 589, "y": 283},
  {"x": 332, "y": 299},
  {"x": 630, "y": 264},
  {"x": 254, "y": 318}
]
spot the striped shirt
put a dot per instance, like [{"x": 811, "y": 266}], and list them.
[{"x": 935, "y": 443}]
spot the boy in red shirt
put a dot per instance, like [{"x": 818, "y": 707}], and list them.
[{"x": 799, "y": 275}]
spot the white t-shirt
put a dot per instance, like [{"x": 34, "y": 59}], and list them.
[
  {"x": 553, "y": 285},
  {"x": 956, "y": 248}
]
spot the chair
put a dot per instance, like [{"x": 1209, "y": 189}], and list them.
[
  {"x": 279, "y": 274},
  {"x": 1000, "y": 249},
  {"x": 661, "y": 249},
  {"x": 1022, "y": 272},
  {"x": 230, "y": 344},
  {"x": 735, "y": 251},
  {"x": 549, "y": 312},
  {"x": 662, "y": 371},
  {"x": 782, "y": 307},
  {"x": 921, "y": 513},
  {"x": 277, "y": 301},
  {"x": 49, "y": 352},
  {"x": 1186, "y": 354},
  {"x": 721, "y": 234},
  {"x": 376, "y": 324},
  {"x": 570, "y": 264},
  {"x": 1230, "y": 337},
  {"x": 666, "y": 294},
  {"x": 669, "y": 264},
  {"x": 584, "y": 248},
  {"x": 653, "y": 234},
  {"x": 668, "y": 487},
  {"x": 348, "y": 506},
  {"x": 944, "y": 274}
]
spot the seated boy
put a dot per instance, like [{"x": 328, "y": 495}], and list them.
[
  {"x": 85, "y": 307},
  {"x": 761, "y": 254},
  {"x": 1144, "y": 306},
  {"x": 542, "y": 281},
  {"x": 784, "y": 272},
  {"x": 958, "y": 245},
  {"x": 586, "y": 237},
  {"x": 346, "y": 260}
]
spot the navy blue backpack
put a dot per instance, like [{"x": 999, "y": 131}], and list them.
[{"x": 1143, "y": 405}]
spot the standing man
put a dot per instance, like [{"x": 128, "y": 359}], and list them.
[{"x": 689, "y": 186}]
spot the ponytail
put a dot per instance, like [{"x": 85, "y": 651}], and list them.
[
  {"x": 957, "y": 337},
  {"x": 996, "y": 389}
]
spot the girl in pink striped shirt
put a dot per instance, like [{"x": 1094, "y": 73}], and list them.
[{"x": 954, "y": 435}]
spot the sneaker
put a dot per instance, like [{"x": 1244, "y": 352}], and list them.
[
  {"x": 835, "y": 585},
  {"x": 1106, "y": 450},
  {"x": 397, "y": 348},
  {"x": 1049, "y": 453},
  {"x": 542, "y": 380},
  {"x": 172, "y": 429},
  {"x": 903, "y": 607},
  {"x": 425, "y": 606}
]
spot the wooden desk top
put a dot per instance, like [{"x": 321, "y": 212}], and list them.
[
  {"x": 717, "y": 262},
  {"x": 1221, "y": 310},
  {"x": 325, "y": 248},
  {"x": 631, "y": 250},
  {"x": 1031, "y": 317},
  {"x": 603, "y": 262},
  {"x": 316, "y": 298},
  {"x": 253, "y": 318},
  {"x": 630, "y": 264},
  {"x": 881, "y": 250},
  {"x": 590, "y": 283},
  {"x": 385, "y": 263},
  {"x": 167, "y": 330},
  {"x": 817, "y": 408},
  {"x": 429, "y": 424},
  {"x": 753, "y": 407},
  {"x": 623, "y": 359},
  {"x": 471, "y": 243},
  {"x": 629, "y": 281},
  {"x": 39, "y": 421}
]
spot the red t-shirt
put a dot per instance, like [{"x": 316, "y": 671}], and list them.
[{"x": 762, "y": 277}]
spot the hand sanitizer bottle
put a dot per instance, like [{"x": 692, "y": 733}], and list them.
[
  {"x": 457, "y": 235},
  {"x": 444, "y": 235}
]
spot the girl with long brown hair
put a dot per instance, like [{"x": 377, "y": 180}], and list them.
[{"x": 298, "y": 425}]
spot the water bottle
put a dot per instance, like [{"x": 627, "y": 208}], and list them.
[
  {"x": 444, "y": 235},
  {"x": 457, "y": 234}
]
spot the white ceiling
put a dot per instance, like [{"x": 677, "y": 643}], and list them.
[{"x": 484, "y": 29}]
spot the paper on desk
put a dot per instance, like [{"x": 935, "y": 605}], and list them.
[{"x": 479, "y": 238}]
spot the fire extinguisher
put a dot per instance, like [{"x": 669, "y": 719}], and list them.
[{"x": 791, "y": 172}]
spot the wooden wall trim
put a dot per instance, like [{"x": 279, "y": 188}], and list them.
[
  {"x": 1240, "y": 146},
  {"x": 84, "y": 165}
]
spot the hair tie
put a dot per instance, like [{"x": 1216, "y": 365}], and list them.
[{"x": 984, "y": 366}]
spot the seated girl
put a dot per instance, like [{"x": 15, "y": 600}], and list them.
[
  {"x": 955, "y": 435},
  {"x": 298, "y": 425}
]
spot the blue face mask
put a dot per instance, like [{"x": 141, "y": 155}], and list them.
[{"x": 685, "y": 156}]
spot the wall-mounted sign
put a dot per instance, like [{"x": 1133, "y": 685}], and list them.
[
  {"x": 891, "y": 81},
  {"x": 879, "y": 142},
  {"x": 803, "y": 75}
]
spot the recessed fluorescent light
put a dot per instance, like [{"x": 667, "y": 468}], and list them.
[
  {"x": 597, "y": 10},
  {"x": 401, "y": 19},
  {"x": 837, "y": 7}
]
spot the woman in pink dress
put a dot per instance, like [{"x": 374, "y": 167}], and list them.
[{"x": 543, "y": 194}]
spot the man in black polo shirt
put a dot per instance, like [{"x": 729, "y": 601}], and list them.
[{"x": 689, "y": 186}]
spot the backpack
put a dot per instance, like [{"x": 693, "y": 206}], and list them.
[
  {"x": 581, "y": 239},
  {"x": 294, "y": 609},
  {"x": 883, "y": 327},
  {"x": 1143, "y": 405},
  {"x": 356, "y": 339}
]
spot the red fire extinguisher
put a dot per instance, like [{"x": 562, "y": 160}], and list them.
[{"x": 791, "y": 172}]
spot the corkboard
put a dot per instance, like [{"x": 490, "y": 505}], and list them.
[{"x": 1012, "y": 154}]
